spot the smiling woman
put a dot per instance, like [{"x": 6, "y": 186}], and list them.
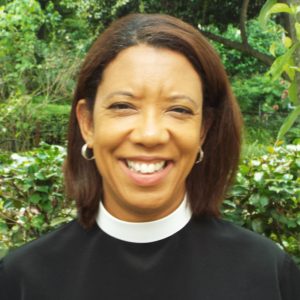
[
  {"x": 151, "y": 101},
  {"x": 153, "y": 145}
]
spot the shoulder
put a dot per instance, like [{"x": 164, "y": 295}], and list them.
[
  {"x": 232, "y": 239},
  {"x": 57, "y": 243},
  {"x": 29, "y": 264},
  {"x": 249, "y": 257},
  {"x": 237, "y": 247}
]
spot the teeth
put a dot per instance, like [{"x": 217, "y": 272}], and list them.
[{"x": 145, "y": 168}]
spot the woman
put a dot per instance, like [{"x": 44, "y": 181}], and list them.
[{"x": 154, "y": 143}]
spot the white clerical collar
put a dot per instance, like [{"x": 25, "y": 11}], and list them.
[{"x": 144, "y": 232}]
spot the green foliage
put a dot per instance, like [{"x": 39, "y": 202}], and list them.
[
  {"x": 285, "y": 63},
  {"x": 32, "y": 198},
  {"x": 52, "y": 123},
  {"x": 266, "y": 196},
  {"x": 290, "y": 120},
  {"x": 259, "y": 94},
  {"x": 25, "y": 124},
  {"x": 17, "y": 119},
  {"x": 17, "y": 43},
  {"x": 238, "y": 63},
  {"x": 40, "y": 50}
]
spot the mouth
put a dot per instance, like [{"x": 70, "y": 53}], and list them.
[
  {"x": 146, "y": 167},
  {"x": 146, "y": 172}
]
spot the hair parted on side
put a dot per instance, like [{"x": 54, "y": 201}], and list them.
[{"x": 208, "y": 181}]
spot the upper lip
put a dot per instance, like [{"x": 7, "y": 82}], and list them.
[{"x": 147, "y": 158}]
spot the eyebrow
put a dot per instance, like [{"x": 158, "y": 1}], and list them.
[
  {"x": 120, "y": 93},
  {"x": 182, "y": 96},
  {"x": 128, "y": 94}
]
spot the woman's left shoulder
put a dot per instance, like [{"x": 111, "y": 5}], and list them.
[
  {"x": 250, "y": 253},
  {"x": 233, "y": 238}
]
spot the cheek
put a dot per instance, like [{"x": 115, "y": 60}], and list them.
[
  {"x": 108, "y": 133},
  {"x": 189, "y": 137}
]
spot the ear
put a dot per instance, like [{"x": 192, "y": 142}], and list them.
[{"x": 85, "y": 121}]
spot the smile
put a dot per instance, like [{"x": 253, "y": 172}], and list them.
[
  {"x": 146, "y": 168},
  {"x": 146, "y": 172}
]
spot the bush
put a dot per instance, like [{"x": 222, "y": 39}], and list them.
[
  {"x": 17, "y": 119},
  {"x": 259, "y": 94},
  {"x": 40, "y": 50},
  {"x": 32, "y": 200},
  {"x": 52, "y": 123},
  {"x": 266, "y": 197},
  {"x": 25, "y": 124}
]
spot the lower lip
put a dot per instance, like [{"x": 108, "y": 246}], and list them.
[{"x": 147, "y": 179}]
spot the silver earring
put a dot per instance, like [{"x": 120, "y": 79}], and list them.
[
  {"x": 84, "y": 152},
  {"x": 199, "y": 156}
]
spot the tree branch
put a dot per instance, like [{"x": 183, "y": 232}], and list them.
[
  {"x": 243, "y": 20},
  {"x": 243, "y": 46},
  {"x": 247, "y": 49}
]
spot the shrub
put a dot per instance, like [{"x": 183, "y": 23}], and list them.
[
  {"x": 51, "y": 124},
  {"x": 32, "y": 200},
  {"x": 40, "y": 50},
  {"x": 25, "y": 124},
  {"x": 260, "y": 95},
  {"x": 17, "y": 119},
  {"x": 266, "y": 197}
]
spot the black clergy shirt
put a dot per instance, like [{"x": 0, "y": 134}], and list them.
[{"x": 208, "y": 259}]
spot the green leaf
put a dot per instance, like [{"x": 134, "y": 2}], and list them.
[
  {"x": 280, "y": 8},
  {"x": 297, "y": 27},
  {"x": 287, "y": 42},
  {"x": 265, "y": 12},
  {"x": 272, "y": 49},
  {"x": 35, "y": 198},
  {"x": 43, "y": 189},
  {"x": 288, "y": 123},
  {"x": 293, "y": 92},
  {"x": 39, "y": 175},
  {"x": 257, "y": 225},
  {"x": 288, "y": 177},
  {"x": 3, "y": 227},
  {"x": 38, "y": 221},
  {"x": 278, "y": 66},
  {"x": 258, "y": 176},
  {"x": 270, "y": 149},
  {"x": 258, "y": 200},
  {"x": 264, "y": 201},
  {"x": 244, "y": 169}
]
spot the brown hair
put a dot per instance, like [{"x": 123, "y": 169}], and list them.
[{"x": 207, "y": 181}]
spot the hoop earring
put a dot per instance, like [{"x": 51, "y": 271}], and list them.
[
  {"x": 84, "y": 152},
  {"x": 200, "y": 156}
]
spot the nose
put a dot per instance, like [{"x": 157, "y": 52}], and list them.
[{"x": 150, "y": 130}]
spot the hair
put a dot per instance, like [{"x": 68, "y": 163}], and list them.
[{"x": 208, "y": 181}]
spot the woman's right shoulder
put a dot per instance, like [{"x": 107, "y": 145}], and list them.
[
  {"x": 49, "y": 245},
  {"x": 30, "y": 261}
]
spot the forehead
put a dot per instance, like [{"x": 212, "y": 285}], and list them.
[{"x": 143, "y": 64}]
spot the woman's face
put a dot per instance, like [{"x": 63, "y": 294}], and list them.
[{"x": 145, "y": 131}]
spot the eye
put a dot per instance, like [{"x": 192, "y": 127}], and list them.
[
  {"x": 121, "y": 106},
  {"x": 181, "y": 110}
]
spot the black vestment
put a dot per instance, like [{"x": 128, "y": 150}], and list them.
[{"x": 208, "y": 259}]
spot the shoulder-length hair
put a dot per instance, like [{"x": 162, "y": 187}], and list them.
[{"x": 208, "y": 181}]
